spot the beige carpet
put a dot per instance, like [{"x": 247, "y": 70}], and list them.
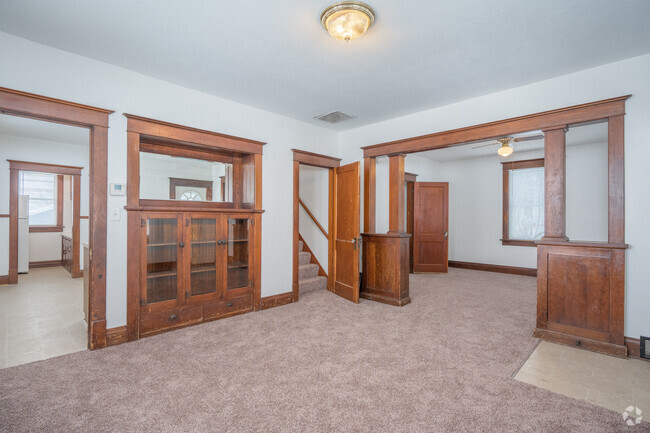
[{"x": 442, "y": 363}]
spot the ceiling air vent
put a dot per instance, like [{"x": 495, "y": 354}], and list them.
[{"x": 334, "y": 117}]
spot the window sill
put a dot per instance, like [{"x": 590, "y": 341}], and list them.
[
  {"x": 518, "y": 243},
  {"x": 45, "y": 229}
]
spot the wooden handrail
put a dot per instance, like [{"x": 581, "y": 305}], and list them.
[{"x": 313, "y": 218}]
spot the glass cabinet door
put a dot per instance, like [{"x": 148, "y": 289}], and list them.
[
  {"x": 237, "y": 243},
  {"x": 203, "y": 252},
  {"x": 161, "y": 236}
]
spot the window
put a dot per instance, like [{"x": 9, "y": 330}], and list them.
[
  {"x": 45, "y": 199},
  {"x": 523, "y": 202}
]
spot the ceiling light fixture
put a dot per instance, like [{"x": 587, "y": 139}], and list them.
[
  {"x": 347, "y": 20},
  {"x": 505, "y": 149}
]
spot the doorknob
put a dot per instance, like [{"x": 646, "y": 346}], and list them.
[{"x": 445, "y": 235}]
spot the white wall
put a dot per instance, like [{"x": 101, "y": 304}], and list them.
[
  {"x": 42, "y": 246},
  {"x": 607, "y": 81},
  {"x": 76, "y": 78},
  {"x": 314, "y": 192}
]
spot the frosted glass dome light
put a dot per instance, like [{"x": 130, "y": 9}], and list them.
[{"x": 347, "y": 20}]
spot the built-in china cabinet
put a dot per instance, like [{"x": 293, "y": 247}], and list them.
[{"x": 194, "y": 214}]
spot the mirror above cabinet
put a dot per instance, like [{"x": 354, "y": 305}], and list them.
[{"x": 166, "y": 177}]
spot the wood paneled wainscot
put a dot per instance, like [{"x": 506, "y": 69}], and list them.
[
  {"x": 581, "y": 295},
  {"x": 386, "y": 268}
]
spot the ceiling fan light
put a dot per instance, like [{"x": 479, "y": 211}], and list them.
[
  {"x": 347, "y": 20},
  {"x": 505, "y": 150}
]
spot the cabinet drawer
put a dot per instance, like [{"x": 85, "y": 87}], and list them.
[
  {"x": 227, "y": 307},
  {"x": 160, "y": 321}
]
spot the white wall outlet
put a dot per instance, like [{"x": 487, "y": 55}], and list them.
[{"x": 115, "y": 214}]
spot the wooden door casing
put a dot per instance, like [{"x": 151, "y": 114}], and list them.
[
  {"x": 431, "y": 226},
  {"x": 346, "y": 231}
]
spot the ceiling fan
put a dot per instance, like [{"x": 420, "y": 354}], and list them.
[{"x": 505, "y": 149}]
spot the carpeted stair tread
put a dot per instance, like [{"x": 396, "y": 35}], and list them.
[
  {"x": 300, "y": 245},
  {"x": 312, "y": 284},
  {"x": 304, "y": 258},
  {"x": 307, "y": 271}
]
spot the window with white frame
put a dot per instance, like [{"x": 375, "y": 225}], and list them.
[
  {"x": 42, "y": 191},
  {"x": 523, "y": 202}
]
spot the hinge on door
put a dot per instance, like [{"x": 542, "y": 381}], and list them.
[
  {"x": 142, "y": 302},
  {"x": 252, "y": 222},
  {"x": 250, "y": 283},
  {"x": 143, "y": 222}
]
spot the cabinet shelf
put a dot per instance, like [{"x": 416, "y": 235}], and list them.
[
  {"x": 237, "y": 240},
  {"x": 203, "y": 269},
  {"x": 203, "y": 242},
  {"x": 162, "y": 274},
  {"x": 163, "y": 244},
  {"x": 237, "y": 265}
]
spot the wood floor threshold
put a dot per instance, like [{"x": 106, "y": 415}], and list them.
[{"x": 514, "y": 270}]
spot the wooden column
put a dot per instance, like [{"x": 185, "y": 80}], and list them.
[
  {"x": 555, "y": 184},
  {"x": 13, "y": 227},
  {"x": 76, "y": 206},
  {"x": 616, "y": 175},
  {"x": 369, "y": 194},
  {"x": 396, "y": 194},
  {"x": 296, "y": 235}
]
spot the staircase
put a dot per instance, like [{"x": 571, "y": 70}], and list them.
[{"x": 308, "y": 278}]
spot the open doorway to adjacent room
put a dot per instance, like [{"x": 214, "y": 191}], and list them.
[{"x": 45, "y": 181}]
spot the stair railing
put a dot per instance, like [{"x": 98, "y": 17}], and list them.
[{"x": 313, "y": 218}]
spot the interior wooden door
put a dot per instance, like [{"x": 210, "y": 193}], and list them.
[
  {"x": 346, "y": 231},
  {"x": 162, "y": 279},
  {"x": 430, "y": 226}
]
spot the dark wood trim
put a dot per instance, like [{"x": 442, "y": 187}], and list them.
[
  {"x": 369, "y": 194},
  {"x": 177, "y": 181},
  {"x": 515, "y": 270},
  {"x": 616, "y": 176},
  {"x": 313, "y": 260},
  {"x": 331, "y": 207},
  {"x": 295, "y": 286},
  {"x": 410, "y": 177},
  {"x": 555, "y": 183},
  {"x": 45, "y": 229},
  {"x": 4, "y": 279},
  {"x": 115, "y": 336},
  {"x": 44, "y": 168},
  {"x": 4, "y": 215},
  {"x": 45, "y": 264},
  {"x": 41, "y": 107},
  {"x": 149, "y": 145},
  {"x": 507, "y": 166},
  {"x": 315, "y": 159},
  {"x": 396, "y": 194},
  {"x": 583, "y": 343},
  {"x": 188, "y": 135},
  {"x": 410, "y": 216},
  {"x": 84, "y": 217},
  {"x": 634, "y": 348},
  {"x": 313, "y": 218},
  {"x": 584, "y": 244},
  {"x": 96, "y": 119},
  {"x": 13, "y": 226},
  {"x": 591, "y": 111},
  {"x": 276, "y": 300}
]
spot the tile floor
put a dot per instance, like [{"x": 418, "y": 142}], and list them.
[
  {"x": 41, "y": 317},
  {"x": 603, "y": 380}
]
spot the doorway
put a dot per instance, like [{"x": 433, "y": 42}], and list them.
[
  {"x": 94, "y": 121},
  {"x": 341, "y": 233}
]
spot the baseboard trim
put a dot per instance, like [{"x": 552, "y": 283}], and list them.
[
  {"x": 634, "y": 348},
  {"x": 4, "y": 279},
  {"x": 529, "y": 272},
  {"x": 584, "y": 343},
  {"x": 276, "y": 300},
  {"x": 115, "y": 336},
  {"x": 45, "y": 263}
]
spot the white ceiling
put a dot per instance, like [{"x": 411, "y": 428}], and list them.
[
  {"x": 276, "y": 56},
  {"x": 41, "y": 130},
  {"x": 577, "y": 135}
]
